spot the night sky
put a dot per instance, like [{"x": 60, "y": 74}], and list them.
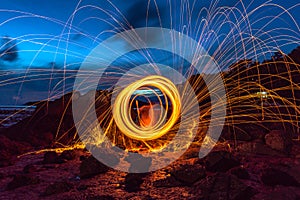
[{"x": 56, "y": 34}]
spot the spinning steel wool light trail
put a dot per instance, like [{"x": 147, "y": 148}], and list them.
[{"x": 121, "y": 110}]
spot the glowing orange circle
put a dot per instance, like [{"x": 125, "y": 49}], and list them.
[{"x": 121, "y": 109}]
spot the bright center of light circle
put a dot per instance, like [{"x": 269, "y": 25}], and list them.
[{"x": 156, "y": 126}]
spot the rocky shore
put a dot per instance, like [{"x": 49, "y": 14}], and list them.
[{"x": 254, "y": 164}]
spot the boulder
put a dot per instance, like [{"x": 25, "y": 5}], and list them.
[
  {"x": 279, "y": 140},
  {"x": 90, "y": 167},
  {"x": 220, "y": 161},
  {"x": 138, "y": 163},
  {"x": 68, "y": 155},
  {"x": 133, "y": 181},
  {"x": 188, "y": 174},
  {"x": 222, "y": 186},
  {"x": 167, "y": 182}
]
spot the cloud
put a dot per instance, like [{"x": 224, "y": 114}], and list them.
[
  {"x": 8, "y": 49},
  {"x": 140, "y": 14}
]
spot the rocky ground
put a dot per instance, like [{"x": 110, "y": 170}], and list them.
[
  {"x": 258, "y": 163},
  {"x": 256, "y": 169}
]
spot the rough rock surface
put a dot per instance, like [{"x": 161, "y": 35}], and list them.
[
  {"x": 253, "y": 176},
  {"x": 220, "y": 161},
  {"x": 223, "y": 186},
  {"x": 279, "y": 140},
  {"x": 273, "y": 177},
  {"x": 57, "y": 187},
  {"x": 22, "y": 180},
  {"x": 91, "y": 167}
]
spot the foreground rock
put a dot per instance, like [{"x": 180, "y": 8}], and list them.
[
  {"x": 240, "y": 172},
  {"x": 220, "y": 161},
  {"x": 273, "y": 177},
  {"x": 22, "y": 180},
  {"x": 133, "y": 181},
  {"x": 188, "y": 174},
  {"x": 9, "y": 149},
  {"x": 90, "y": 167},
  {"x": 57, "y": 188},
  {"x": 223, "y": 186},
  {"x": 138, "y": 163},
  {"x": 52, "y": 158},
  {"x": 68, "y": 155}
]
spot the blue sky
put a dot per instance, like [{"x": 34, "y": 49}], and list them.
[
  {"x": 52, "y": 34},
  {"x": 47, "y": 31}
]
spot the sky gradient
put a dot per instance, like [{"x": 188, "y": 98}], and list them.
[{"x": 54, "y": 34}]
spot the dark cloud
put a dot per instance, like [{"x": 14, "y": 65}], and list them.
[
  {"x": 140, "y": 14},
  {"x": 8, "y": 49}
]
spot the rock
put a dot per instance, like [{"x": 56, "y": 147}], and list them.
[
  {"x": 295, "y": 151},
  {"x": 100, "y": 197},
  {"x": 90, "y": 167},
  {"x": 189, "y": 174},
  {"x": 144, "y": 197},
  {"x": 52, "y": 157},
  {"x": 220, "y": 161},
  {"x": 237, "y": 134},
  {"x": 133, "y": 181},
  {"x": 29, "y": 169},
  {"x": 9, "y": 149},
  {"x": 43, "y": 139},
  {"x": 5, "y": 159},
  {"x": 280, "y": 193},
  {"x": 45, "y": 121},
  {"x": 57, "y": 188},
  {"x": 257, "y": 148},
  {"x": 279, "y": 140},
  {"x": 22, "y": 180},
  {"x": 273, "y": 177},
  {"x": 138, "y": 163},
  {"x": 222, "y": 186},
  {"x": 257, "y": 134},
  {"x": 191, "y": 153},
  {"x": 68, "y": 155},
  {"x": 2, "y": 176},
  {"x": 240, "y": 172},
  {"x": 82, "y": 187},
  {"x": 168, "y": 181},
  {"x": 111, "y": 157},
  {"x": 82, "y": 157}
]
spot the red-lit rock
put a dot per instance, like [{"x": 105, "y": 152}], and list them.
[{"x": 279, "y": 140}]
